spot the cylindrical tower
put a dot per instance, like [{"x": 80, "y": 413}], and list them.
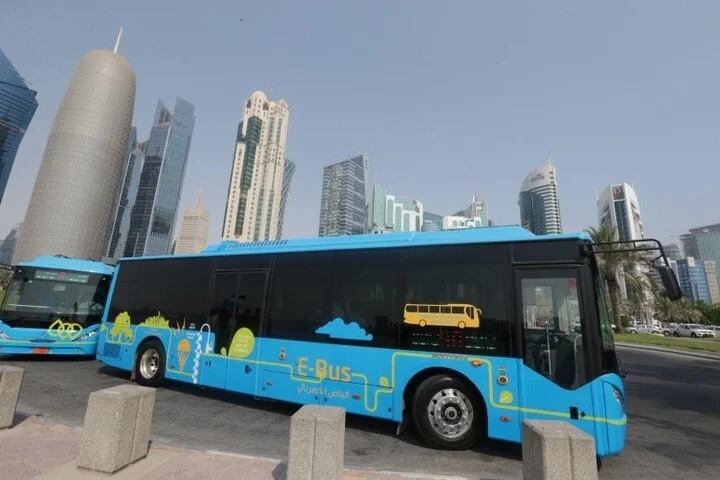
[{"x": 73, "y": 200}]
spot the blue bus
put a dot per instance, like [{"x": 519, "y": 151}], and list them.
[
  {"x": 54, "y": 306},
  {"x": 464, "y": 333}
]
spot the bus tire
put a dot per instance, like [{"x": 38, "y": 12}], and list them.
[
  {"x": 461, "y": 325},
  {"x": 150, "y": 363},
  {"x": 422, "y": 322},
  {"x": 447, "y": 413}
]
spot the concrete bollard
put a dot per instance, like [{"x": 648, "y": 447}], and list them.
[
  {"x": 317, "y": 443},
  {"x": 556, "y": 450},
  {"x": 10, "y": 383},
  {"x": 117, "y": 425}
]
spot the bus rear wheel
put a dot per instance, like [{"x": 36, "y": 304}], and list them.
[
  {"x": 150, "y": 363},
  {"x": 446, "y": 413}
]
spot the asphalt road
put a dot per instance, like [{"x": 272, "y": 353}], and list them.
[{"x": 673, "y": 403}]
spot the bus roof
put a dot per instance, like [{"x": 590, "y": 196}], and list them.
[
  {"x": 73, "y": 264},
  {"x": 386, "y": 240}
]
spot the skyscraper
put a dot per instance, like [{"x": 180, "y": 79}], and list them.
[
  {"x": 287, "y": 180},
  {"x": 672, "y": 251},
  {"x": 432, "y": 222},
  {"x": 252, "y": 210},
  {"x": 7, "y": 247},
  {"x": 477, "y": 209},
  {"x": 343, "y": 203},
  {"x": 17, "y": 107},
  {"x": 128, "y": 194},
  {"x": 393, "y": 213},
  {"x": 152, "y": 220},
  {"x": 703, "y": 243},
  {"x": 72, "y": 205},
  {"x": 711, "y": 276},
  {"x": 693, "y": 279},
  {"x": 618, "y": 206},
  {"x": 192, "y": 236},
  {"x": 539, "y": 201}
]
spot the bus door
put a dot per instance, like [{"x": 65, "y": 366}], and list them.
[
  {"x": 555, "y": 330},
  {"x": 237, "y": 308}
]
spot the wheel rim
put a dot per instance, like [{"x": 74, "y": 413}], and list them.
[
  {"x": 461, "y": 325},
  {"x": 149, "y": 363},
  {"x": 450, "y": 413},
  {"x": 422, "y": 323}
]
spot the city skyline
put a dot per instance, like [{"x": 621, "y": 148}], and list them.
[{"x": 593, "y": 156}]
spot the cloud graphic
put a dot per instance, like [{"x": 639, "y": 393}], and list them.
[{"x": 337, "y": 328}]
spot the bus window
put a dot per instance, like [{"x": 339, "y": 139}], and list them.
[
  {"x": 364, "y": 286},
  {"x": 457, "y": 277},
  {"x": 298, "y": 296},
  {"x": 411, "y": 308},
  {"x": 552, "y": 323}
]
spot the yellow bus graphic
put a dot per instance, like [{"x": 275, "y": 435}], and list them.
[{"x": 460, "y": 315}]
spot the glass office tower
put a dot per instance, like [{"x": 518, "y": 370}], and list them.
[{"x": 17, "y": 107}]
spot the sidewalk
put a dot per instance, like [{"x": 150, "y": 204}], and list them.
[
  {"x": 36, "y": 448},
  {"x": 676, "y": 351}
]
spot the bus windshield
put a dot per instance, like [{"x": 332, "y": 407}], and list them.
[{"x": 36, "y": 297}]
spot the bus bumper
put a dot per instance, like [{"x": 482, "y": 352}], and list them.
[{"x": 19, "y": 347}]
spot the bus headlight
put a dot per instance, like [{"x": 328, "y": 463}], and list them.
[
  {"x": 86, "y": 336},
  {"x": 619, "y": 397}
]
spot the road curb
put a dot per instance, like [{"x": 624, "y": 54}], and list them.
[{"x": 687, "y": 353}]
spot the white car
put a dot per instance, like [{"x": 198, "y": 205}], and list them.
[
  {"x": 650, "y": 329},
  {"x": 692, "y": 330}
]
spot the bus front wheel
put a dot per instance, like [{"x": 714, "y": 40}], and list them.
[
  {"x": 446, "y": 413},
  {"x": 150, "y": 363}
]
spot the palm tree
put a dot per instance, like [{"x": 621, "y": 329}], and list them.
[{"x": 612, "y": 263}]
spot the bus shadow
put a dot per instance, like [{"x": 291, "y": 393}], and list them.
[
  {"x": 409, "y": 435},
  {"x": 15, "y": 358}
]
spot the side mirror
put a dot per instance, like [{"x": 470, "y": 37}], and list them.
[{"x": 670, "y": 282}]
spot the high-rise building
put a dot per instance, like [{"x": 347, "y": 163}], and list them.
[
  {"x": 7, "y": 247},
  {"x": 17, "y": 107},
  {"x": 254, "y": 199},
  {"x": 672, "y": 251},
  {"x": 477, "y": 209},
  {"x": 128, "y": 194},
  {"x": 192, "y": 236},
  {"x": 711, "y": 276},
  {"x": 703, "y": 243},
  {"x": 432, "y": 222},
  {"x": 343, "y": 202},
  {"x": 72, "y": 205},
  {"x": 618, "y": 206},
  {"x": 539, "y": 201},
  {"x": 287, "y": 180},
  {"x": 693, "y": 279},
  {"x": 454, "y": 222},
  {"x": 393, "y": 213},
  {"x": 153, "y": 215}
]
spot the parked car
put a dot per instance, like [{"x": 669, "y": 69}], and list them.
[
  {"x": 692, "y": 330},
  {"x": 649, "y": 329}
]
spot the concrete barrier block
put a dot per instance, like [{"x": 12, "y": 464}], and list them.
[
  {"x": 117, "y": 427},
  {"x": 317, "y": 443},
  {"x": 583, "y": 455},
  {"x": 556, "y": 450},
  {"x": 10, "y": 384}
]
